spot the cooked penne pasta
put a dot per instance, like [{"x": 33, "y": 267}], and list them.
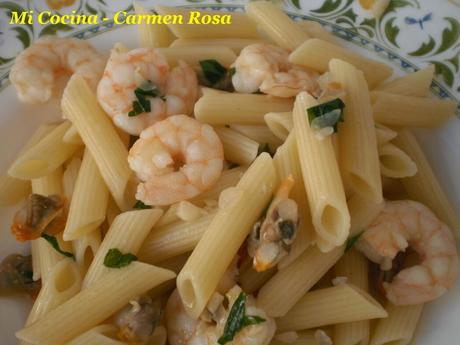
[
  {"x": 174, "y": 264},
  {"x": 72, "y": 136},
  {"x": 45, "y": 156},
  {"x": 235, "y": 44},
  {"x": 35, "y": 252},
  {"x": 169, "y": 216},
  {"x": 316, "y": 30},
  {"x": 384, "y": 134},
  {"x": 233, "y": 108},
  {"x": 151, "y": 35},
  {"x": 192, "y": 55},
  {"x": 280, "y": 124},
  {"x": 241, "y": 26},
  {"x": 88, "y": 206},
  {"x": 261, "y": 134},
  {"x": 238, "y": 148},
  {"x": 338, "y": 304},
  {"x": 171, "y": 240},
  {"x": 399, "y": 327},
  {"x": 69, "y": 178},
  {"x": 359, "y": 158},
  {"x": 92, "y": 306},
  {"x": 159, "y": 336},
  {"x": 135, "y": 223},
  {"x": 316, "y": 54},
  {"x": 85, "y": 249},
  {"x": 320, "y": 172},
  {"x": 415, "y": 84},
  {"x": 396, "y": 110},
  {"x": 227, "y": 231},
  {"x": 301, "y": 338},
  {"x": 187, "y": 211},
  {"x": 80, "y": 106},
  {"x": 354, "y": 266},
  {"x": 394, "y": 162},
  {"x": 99, "y": 335},
  {"x": 423, "y": 186},
  {"x": 276, "y": 24},
  {"x": 64, "y": 282},
  {"x": 286, "y": 162},
  {"x": 251, "y": 280}
]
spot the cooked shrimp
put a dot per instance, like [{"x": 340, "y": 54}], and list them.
[
  {"x": 184, "y": 330},
  {"x": 176, "y": 159},
  {"x": 39, "y": 214},
  {"x": 40, "y": 70},
  {"x": 174, "y": 92},
  {"x": 272, "y": 236},
  {"x": 266, "y": 68},
  {"x": 409, "y": 223}
]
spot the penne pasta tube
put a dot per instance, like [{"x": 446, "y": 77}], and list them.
[
  {"x": 316, "y": 54},
  {"x": 89, "y": 201},
  {"x": 72, "y": 136},
  {"x": 359, "y": 158},
  {"x": 159, "y": 336},
  {"x": 174, "y": 264},
  {"x": 396, "y": 110},
  {"x": 287, "y": 163},
  {"x": 173, "y": 239},
  {"x": 228, "y": 178},
  {"x": 135, "y": 223},
  {"x": 424, "y": 186},
  {"x": 316, "y": 30},
  {"x": 92, "y": 306},
  {"x": 320, "y": 171},
  {"x": 169, "y": 216},
  {"x": 415, "y": 84},
  {"x": 85, "y": 249},
  {"x": 334, "y": 305},
  {"x": 235, "y": 44},
  {"x": 238, "y": 211},
  {"x": 34, "y": 251},
  {"x": 354, "y": 266},
  {"x": 395, "y": 163},
  {"x": 100, "y": 335},
  {"x": 261, "y": 134},
  {"x": 251, "y": 280},
  {"x": 384, "y": 134},
  {"x": 187, "y": 211},
  {"x": 399, "y": 327},
  {"x": 280, "y": 124},
  {"x": 276, "y": 24},
  {"x": 234, "y": 108},
  {"x": 290, "y": 283},
  {"x": 45, "y": 156},
  {"x": 301, "y": 338},
  {"x": 64, "y": 282},
  {"x": 69, "y": 178},
  {"x": 152, "y": 35},
  {"x": 80, "y": 106},
  {"x": 241, "y": 26},
  {"x": 238, "y": 148},
  {"x": 13, "y": 190},
  {"x": 193, "y": 55}
]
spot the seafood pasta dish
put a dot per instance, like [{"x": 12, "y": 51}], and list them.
[{"x": 249, "y": 184}]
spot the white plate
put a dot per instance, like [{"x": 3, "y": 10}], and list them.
[{"x": 439, "y": 324}]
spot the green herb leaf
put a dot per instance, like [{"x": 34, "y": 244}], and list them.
[
  {"x": 137, "y": 109},
  {"x": 116, "y": 259},
  {"x": 142, "y": 104},
  {"x": 328, "y": 114},
  {"x": 264, "y": 148},
  {"x": 352, "y": 240},
  {"x": 139, "y": 205},
  {"x": 55, "y": 244},
  {"x": 237, "y": 320},
  {"x": 213, "y": 70}
]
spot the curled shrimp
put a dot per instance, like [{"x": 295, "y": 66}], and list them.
[
  {"x": 176, "y": 159},
  {"x": 174, "y": 91},
  {"x": 272, "y": 236},
  {"x": 185, "y": 330},
  {"x": 40, "y": 71},
  {"x": 266, "y": 68},
  {"x": 408, "y": 223}
]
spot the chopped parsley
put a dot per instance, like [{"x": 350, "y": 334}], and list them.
[
  {"x": 237, "y": 320},
  {"x": 142, "y": 104},
  {"x": 55, "y": 244},
  {"x": 139, "y": 205},
  {"x": 116, "y": 259},
  {"x": 328, "y": 114},
  {"x": 352, "y": 240},
  {"x": 216, "y": 75}
]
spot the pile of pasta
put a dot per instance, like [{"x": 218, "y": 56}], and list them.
[{"x": 341, "y": 182}]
